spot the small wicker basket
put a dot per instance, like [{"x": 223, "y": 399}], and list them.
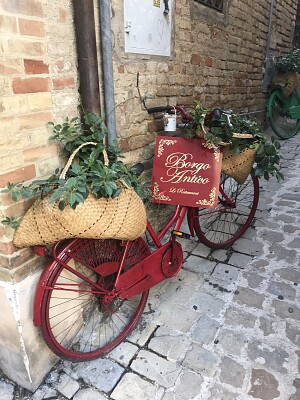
[{"x": 238, "y": 166}]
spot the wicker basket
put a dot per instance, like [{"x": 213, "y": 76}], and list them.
[
  {"x": 123, "y": 217},
  {"x": 238, "y": 166}
]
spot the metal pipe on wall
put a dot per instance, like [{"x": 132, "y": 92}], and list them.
[
  {"x": 269, "y": 57},
  {"x": 87, "y": 55},
  {"x": 107, "y": 68}
]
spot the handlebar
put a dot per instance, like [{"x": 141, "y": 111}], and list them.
[{"x": 214, "y": 114}]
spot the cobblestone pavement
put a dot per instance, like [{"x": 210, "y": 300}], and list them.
[{"x": 227, "y": 327}]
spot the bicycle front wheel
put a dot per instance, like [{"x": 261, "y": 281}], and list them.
[
  {"x": 278, "y": 112},
  {"x": 222, "y": 226},
  {"x": 76, "y": 322}
]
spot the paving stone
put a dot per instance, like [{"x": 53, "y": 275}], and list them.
[
  {"x": 67, "y": 386},
  {"x": 217, "y": 288},
  {"x": 235, "y": 316},
  {"x": 289, "y": 274},
  {"x": 248, "y": 246},
  {"x": 272, "y": 236},
  {"x": 296, "y": 395},
  {"x": 249, "y": 297},
  {"x": 178, "y": 293},
  {"x": 177, "y": 317},
  {"x": 102, "y": 374},
  {"x": 263, "y": 385},
  {"x": 220, "y": 255},
  {"x": 44, "y": 392},
  {"x": 133, "y": 387},
  {"x": 290, "y": 228},
  {"x": 274, "y": 358},
  {"x": 188, "y": 246},
  {"x": 266, "y": 325},
  {"x": 205, "y": 330},
  {"x": 172, "y": 396},
  {"x": 294, "y": 244},
  {"x": 282, "y": 289},
  {"x": 201, "y": 360},
  {"x": 156, "y": 368},
  {"x": 89, "y": 394},
  {"x": 218, "y": 392},
  {"x": 298, "y": 354},
  {"x": 281, "y": 253},
  {"x": 6, "y": 391},
  {"x": 143, "y": 331},
  {"x": 232, "y": 373},
  {"x": 240, "y": 260},
  {"x": 188, "y": 277},
  {"x": 285, "y": 218},
  {"x": 253, "y": 280},
  {"x": 293, "y": 334},
  {"x": 204, "y": 303},
  {"x": 201, "y": 250},
  {"x": 225, "y": 273},
  {"x": 170, "y": 344},
  {"x": 199, "y": 265},
  {"x": 124, "y": 353},
  {"x": 232, "y": 342},
  {"x": 290, "y": 196},
  {"x": 260, "y": 264},
  {"x": 286, "y": 310},
  {"x": 188, "y": 386}
]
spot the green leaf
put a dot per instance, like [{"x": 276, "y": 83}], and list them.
[
  {"x": 61, "y": 205},
  {"x": 56, "y": 195}
]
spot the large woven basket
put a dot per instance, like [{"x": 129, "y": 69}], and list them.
[{"x": 123, "y": 218}]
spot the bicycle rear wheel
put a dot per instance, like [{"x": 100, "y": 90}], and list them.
[
  {"x": 76, "y": 322},
  {"x": 222, "y": 226},
  {"x": 278, "y": 112}
]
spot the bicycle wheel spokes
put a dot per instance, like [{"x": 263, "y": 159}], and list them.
[
  {"x": 222, "y": 226},
  {"x": 78, "y": 322},
  {"x": 282, "y": 124}
]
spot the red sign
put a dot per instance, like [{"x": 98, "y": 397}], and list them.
[{"x": 186, "y": 172}]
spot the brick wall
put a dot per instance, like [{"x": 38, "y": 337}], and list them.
[
  {"x": 38, "y": 84},
  {"x": 216, "y": 59}
]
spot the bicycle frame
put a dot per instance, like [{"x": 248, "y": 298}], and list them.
[{"x": 141, "y": 277}]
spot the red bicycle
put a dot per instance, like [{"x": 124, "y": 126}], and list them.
[{"x": 92, "y": 291}]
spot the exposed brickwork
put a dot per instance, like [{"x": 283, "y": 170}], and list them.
[{"x": 38, "y": 84}]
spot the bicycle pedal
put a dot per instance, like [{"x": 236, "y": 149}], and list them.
[{"x": 180, "y": 234}]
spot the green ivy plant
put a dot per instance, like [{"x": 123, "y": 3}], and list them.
[
  {"x": 88, "y": 173},
  {"x": 267, "y": 160},
  {"x": 290, "y": 62}
]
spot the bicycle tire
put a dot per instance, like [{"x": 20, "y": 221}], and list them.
[
  {"x": 222, "y": 226},
  {"x": 78, "y": 325},
  {"x": 281, "y": 123}
]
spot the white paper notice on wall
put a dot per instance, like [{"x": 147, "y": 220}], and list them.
[{"x": 147, "y": 26}]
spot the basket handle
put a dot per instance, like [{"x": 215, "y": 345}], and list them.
[{"x": 72, "y": 156}]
